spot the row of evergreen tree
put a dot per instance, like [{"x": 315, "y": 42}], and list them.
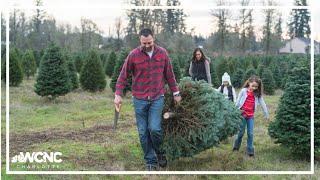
[
  {"x": 58, "y": 72},
  {"x": 89, "y": 69},
  {"x": 273, "y": 70}
]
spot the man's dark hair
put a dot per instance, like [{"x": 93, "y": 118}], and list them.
[{"x": 146, "y": 32}]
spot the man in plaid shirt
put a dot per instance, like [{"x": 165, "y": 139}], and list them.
[{"x": 151, "y": 68}]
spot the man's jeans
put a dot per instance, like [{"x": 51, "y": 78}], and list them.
[
  {"x": 249, "y": 123},
  {"x": 148, "y": 117}
]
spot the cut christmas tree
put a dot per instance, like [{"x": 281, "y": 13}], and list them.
[{"x": 200, "y": 121}]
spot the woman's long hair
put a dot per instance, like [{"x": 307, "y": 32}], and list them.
[
  {"x": 203, "y": 57},
  {"x": 257, "y": 92}
]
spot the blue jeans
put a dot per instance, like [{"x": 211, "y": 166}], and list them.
[
  {"x": 148, "y": 117},
  {"x": 249, "y": 123}
]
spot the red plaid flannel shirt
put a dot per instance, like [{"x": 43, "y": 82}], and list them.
[{"x": 149, "y": 75}]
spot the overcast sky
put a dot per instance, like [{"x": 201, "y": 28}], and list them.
[{"x": 103, "y": 15}]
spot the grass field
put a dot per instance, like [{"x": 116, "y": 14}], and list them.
[{"x": 79, "y": 125}]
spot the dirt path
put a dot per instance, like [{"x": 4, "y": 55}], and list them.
[{"x": 21, "y": 142}]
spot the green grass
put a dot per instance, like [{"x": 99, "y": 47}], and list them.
[{"x": 70, "y": 123}]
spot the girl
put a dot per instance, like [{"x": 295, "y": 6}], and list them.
[
  {"x": 226, "y": 88},
  {"x": 199, "y": 68},
  {"x": 249, "y": 97}
]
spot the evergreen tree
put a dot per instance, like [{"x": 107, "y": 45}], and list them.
[
  {"x": 29, "y": 64},
  {"x": 73, "y": 76},
  {"x": 250, "y": 72},
  {"x": 92, "y": 77},
  {"x": 245, "y": 63},
  {"x": 255, "y": 61},
  {"x": 78, "y": 61},
  {"x": 231, "y": 66},
  {"x": 214, "y": 78},
  {"x": 299, "y": 23},
  {"x": 260, "y": 70},
  {"x": 176, "y": 68},
  {"x": 3, "y": 52},
  {"x": 15, "y": 70},
  {"x": 38, "y": 55},
  {"x": 237, "y": 81},
  {"x": 117, "y": 69},
  {"x": 186, "y": 68},
  {"x": 103, "y": 57},
  {"x": 18, "y": 53},
  {"x": 110, "y": 64},
  {"x": 268, "y": 82},
  {"x": 3, "y": 63},
  {"x": 222, "y": 67},
  {"x": 291, "y": 126},
  {"x": 277, "y": 75},
  {"x": 53, "y": 79},
  {"x": 200, "y": 122},
  {"x": 181, "y": 59},
  {"x": 174, "y": 18},
  {"x": 317, "y": 111}
]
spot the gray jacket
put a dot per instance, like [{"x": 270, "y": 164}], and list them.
[{"x": 242, "y": 98}]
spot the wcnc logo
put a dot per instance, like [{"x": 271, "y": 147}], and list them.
[{"x": 38, "y": 157}]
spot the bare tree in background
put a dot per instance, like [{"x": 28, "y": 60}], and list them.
[
  {"x": 245, "y": 23},
  {"x": 36, "y": 36},
  {"x": 253, "y": 46},
  {"x": 118, "y": 27},
  {"x": 221, "y": 16},
  {"x": 267, "y": 34},
  {"x": 14, "y": 26},
  {"x": 90, "y": 34}
]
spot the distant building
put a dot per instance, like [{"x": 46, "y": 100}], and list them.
[{"x": 299, "y": 46}]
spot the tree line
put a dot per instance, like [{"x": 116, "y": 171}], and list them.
[{"x": 232, "y": 36}]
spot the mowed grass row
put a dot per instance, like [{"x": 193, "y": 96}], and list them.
[
  {"x": 27, "y": 109},
  {"x": 71, "y": 126}
]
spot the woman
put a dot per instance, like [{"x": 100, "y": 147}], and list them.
[{"x": 199, "y": 67}]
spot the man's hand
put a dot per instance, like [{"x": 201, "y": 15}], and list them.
[
  {"x": 117, "y": 102},
  {"x": 177, "y": 99}
]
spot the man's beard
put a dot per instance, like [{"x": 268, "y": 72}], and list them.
[{"x": 147, "y": 49}]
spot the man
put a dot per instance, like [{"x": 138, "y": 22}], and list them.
[{"x": 150, "y": 67}]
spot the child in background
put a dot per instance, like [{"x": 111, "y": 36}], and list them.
[
  {"x": 226, "y": 88},
  {"x": 249, "y": 97}
]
